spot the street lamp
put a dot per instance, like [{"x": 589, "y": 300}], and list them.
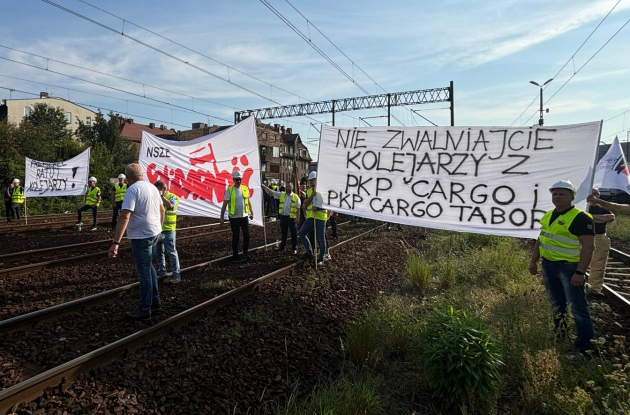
[{"x": 540, "y": 121}]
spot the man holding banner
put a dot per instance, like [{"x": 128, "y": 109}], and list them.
[
  {"x": 92, "y": 201},
  {"x": 566, "y": 245},
  {"x": 240, "y": 208},
  {"x": 17, "y": 197},
  {"x": 289, "y": 206}
]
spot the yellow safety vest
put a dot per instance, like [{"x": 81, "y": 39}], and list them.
[
  {"x": 294, "y": 198},
  {"x": 120, "y": 192},
  {"x": 92, "y": 196},
  {"x": 320, "y": 214},
  {"x": 18, "y": 195},
  {"x": 556, "y": 243},
  {"x": 245, "y": 191},
  {"x": 170, "y": 216}
]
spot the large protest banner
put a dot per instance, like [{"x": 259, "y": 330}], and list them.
[
  {"x": 62, "y": 178},
  {"x": 491, "y": 180},
  {"x": 199, "y": 171}
]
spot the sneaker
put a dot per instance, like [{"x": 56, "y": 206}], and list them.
[
  {"x": 93, "y": 228},
  {"x": 138, "y": 315},
  {"x": 156, "y": 305},
  {"x": 327, "y": 257},
  {"x": 78, "y": 224},
  {"x": 295, "y": 252},
  {"x": 595, "y": 295},
  {"x": 320, "y": 263},
  {"x": 175, "y": 280}
]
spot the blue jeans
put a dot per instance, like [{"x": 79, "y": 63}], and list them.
[
  {"x": 143, "y": 251},
  {"x": 307, "y": 228},
  {"x": 557, "y": 276},
  {"x": 167, "y": 243}
]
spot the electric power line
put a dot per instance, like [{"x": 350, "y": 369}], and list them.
[{"x": 568, "y": 60}]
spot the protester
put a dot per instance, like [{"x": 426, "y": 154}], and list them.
[
  {"x": 142, "y": 216},
  {"x": 17, "y": 198},
  {"x": 613, "y": 207},
  {"x": 167, "y": 240},
  {"x": 8, "y": 202},
  {"x": 289, "y": 206},
  {"x": 302, "y": 195},
  {"x": 92, "y": 201},
  {"x": 601, "y": 217},
  {"x": 566, "y": 246},
  {"x": 316, "y": 217},
  {"x": 120, "y": 189},
  {"x": 332, "y": 219},
  {"x": 240, "y": 207}
]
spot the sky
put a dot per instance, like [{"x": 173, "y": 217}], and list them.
[{"x": 238, "y": 54}]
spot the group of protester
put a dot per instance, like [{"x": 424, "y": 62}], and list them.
[{"x": 571, "y": 241}]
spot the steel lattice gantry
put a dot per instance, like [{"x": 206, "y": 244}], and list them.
[{"x": 422, "y": 96}]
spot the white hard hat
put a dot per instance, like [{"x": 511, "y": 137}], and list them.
[
  {"x": 563, "y": 184},
  {"x": 92, "y": 179},
  {"x": 237, "y": 174},
  {"x": 122, "y": 176},
  {"x": 312, "y": 175},
  {"x": 16, "y": 180}
]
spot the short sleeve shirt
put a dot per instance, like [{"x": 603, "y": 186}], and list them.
[
  {"x": 239, "y": 208},
  {"x": 600, "y": 228},
  {"x": 288, "y": 201},
  {"x": 581, "y": 225},
  {"x": 143, "y": 200}
]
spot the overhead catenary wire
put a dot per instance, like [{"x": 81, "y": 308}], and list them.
[
  {"x": 583, "y": 65},
  {"x": 567, "y": 62}
]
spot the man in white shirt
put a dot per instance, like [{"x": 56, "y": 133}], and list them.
[
  {"x": 289, "y": 207},
  {"x": 142, "y": 216},
  {"x": 240, "y": 207}
]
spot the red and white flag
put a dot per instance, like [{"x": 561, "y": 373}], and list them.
[
  {"x": 612, "y": 170},
  {"x": 199, "y": 171}
]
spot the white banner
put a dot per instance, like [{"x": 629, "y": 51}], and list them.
[
  {"x": 199, "y": 171},
  {"x": 612, "y": 170},
  {"x": 491, "y": 180},
  {"x": 62, "y": 178}
]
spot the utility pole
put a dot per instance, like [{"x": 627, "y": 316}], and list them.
[{"x": 541, "y": 120}]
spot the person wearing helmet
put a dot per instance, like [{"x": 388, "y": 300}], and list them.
[
  {"x": 566, "y": 245},
  {"x": 240, "y": 207},
  {"x": 8, "y": 201},
  {"x": 92, "y": 201},
  {"x": 601, "y": 217},
  {"x": 168, "y": 240},
  {"x": 316, "y": 217},
  {"x": 118, "y": 195},
  {"x": 17, "y": 198},
  {"x": 289, "y": 207}
]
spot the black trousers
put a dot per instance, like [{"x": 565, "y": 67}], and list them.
[
  {"x": 8, "y": 206},
  {"x": 117, "y": 209},
  {"x": 83, "y": 209},
  {"x": 333, "y": 224},
  {"x": 236, "y": 224},
  {"x": 288, "y": 223},
  {"x": 16, "y": 210}
]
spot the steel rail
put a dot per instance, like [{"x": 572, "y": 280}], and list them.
[
  {"x": 29, "y": 319},
  {"x": 610, "y": 293},
  {"x": 36, "y": 385}
]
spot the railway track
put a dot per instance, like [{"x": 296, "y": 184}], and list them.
[
  {"x": 37, "y": 259},
  {"x": 617, "y": 279},
  {"x": 36, "y": 385},
  {"x": 41, "y": 225}
]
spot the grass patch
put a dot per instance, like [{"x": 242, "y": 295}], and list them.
[
  {"x": 216, "y": 285},
  {"x": 620, "y": 228},
  {"x": 418, "y": 273}
]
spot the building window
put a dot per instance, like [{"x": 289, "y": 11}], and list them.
[
  {"x": 264, "y": 136},
  {"x": 27, "y": 111},
  {"x": 88, "y": 121},
  {"x": 276, "y": 152},
  {"x": 68, "y": 116}
]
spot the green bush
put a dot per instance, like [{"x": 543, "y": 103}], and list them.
[{"x": 461, "y": 362}]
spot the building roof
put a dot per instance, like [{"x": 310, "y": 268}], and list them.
[
  {"x": 132, "y": 131},
  {"x": 7, "y": 101}
]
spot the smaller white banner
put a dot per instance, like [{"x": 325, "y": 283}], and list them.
[
  {"x": 612, "y": 170},
  {"x": 59, "y": 178}
]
